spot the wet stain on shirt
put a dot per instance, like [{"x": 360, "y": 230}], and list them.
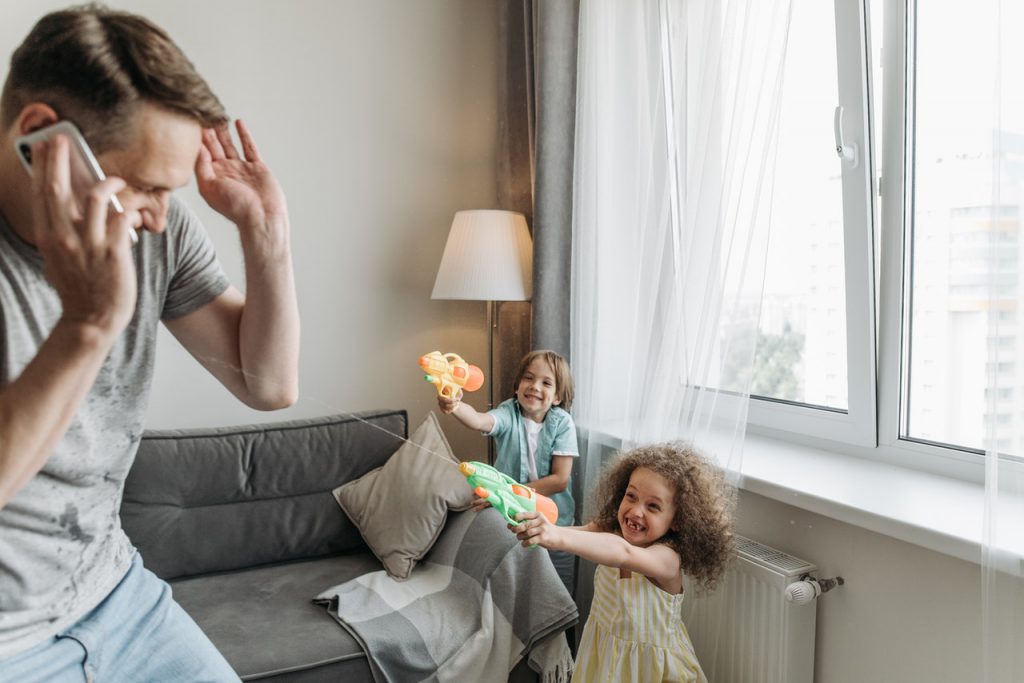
[{"x": 69, "y": 520}]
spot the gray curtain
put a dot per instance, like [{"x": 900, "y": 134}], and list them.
[
  {"x": 537, "y": 120},
  {"x": 537, "y": 123}
]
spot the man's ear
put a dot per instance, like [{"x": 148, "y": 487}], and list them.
[{"x": 34, "y": 116}]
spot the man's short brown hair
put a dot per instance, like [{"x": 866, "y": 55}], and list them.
[{"x": 95, "y": 66}]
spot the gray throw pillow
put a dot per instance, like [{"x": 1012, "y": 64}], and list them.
[{"x": 401, "y": 507}]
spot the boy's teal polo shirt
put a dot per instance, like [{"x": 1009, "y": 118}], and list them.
[{"x": 557, "y": 437}]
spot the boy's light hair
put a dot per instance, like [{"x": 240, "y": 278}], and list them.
[
  {"x": 94, "y": 66},
  {"x": 559, "y": 367}
]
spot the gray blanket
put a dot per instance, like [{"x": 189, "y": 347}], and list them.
[{"x": 472, "y": 608}]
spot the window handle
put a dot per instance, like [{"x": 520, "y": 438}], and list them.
[{"x": 846, "y": 152}]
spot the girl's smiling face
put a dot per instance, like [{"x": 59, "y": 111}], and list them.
[
  {"x": 536, "y": 390},
  {"x": 648, "y": 508}
]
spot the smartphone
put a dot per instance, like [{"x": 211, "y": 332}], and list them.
[{"x": 85, "y": 170}]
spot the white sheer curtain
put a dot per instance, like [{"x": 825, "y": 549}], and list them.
[
  {"x": 1003, "y": 543},
  {"x": 677, "y": 108}
]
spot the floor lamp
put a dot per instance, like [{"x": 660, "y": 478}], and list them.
[{"x": 488, "y": 257}]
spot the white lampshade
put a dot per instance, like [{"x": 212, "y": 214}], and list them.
[{"x": 488, "y": 257}]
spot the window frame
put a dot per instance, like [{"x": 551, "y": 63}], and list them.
[
  {"x": 876, "y": 257},
  {"x": 896, "y": 181},
  {"x": 856, "y": 425}
]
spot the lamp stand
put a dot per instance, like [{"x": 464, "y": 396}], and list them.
[{"x": 492, "y": 323}]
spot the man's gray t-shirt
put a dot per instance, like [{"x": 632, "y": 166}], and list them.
[{"x": 62, "y": 549}]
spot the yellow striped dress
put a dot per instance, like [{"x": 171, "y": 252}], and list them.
[{"x": 635, "y": 633}]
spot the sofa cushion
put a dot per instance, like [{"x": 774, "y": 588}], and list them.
[
  {"x": 400, "y": 508},
  {"x": 205, "y": 500},
  {"x": 264, "y": 623}
]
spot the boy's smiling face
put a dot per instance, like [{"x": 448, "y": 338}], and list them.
[{"x": 536, "y": 390}]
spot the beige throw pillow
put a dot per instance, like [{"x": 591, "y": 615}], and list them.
[{"x": 401, "y": 507}]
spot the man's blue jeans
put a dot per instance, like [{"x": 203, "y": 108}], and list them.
[{"x": 138, "y": 633}]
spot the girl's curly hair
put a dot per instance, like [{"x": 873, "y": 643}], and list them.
[{"x": 701, "y": 532}]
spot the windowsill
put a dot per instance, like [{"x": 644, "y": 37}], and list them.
[{"x": 929, "y": 510}]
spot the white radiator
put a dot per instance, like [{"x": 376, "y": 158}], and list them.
[{"x": 746, "y": 631}]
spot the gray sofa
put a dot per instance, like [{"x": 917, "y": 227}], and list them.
[{"x": 242, "y": 524}]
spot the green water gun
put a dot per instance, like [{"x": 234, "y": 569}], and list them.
[{"x": 505, "y": 494}]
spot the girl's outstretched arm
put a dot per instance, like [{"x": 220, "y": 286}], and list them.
[{"x": 657, "y": 562}]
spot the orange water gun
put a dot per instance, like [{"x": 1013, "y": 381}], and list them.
[{"x": 449, "y": 373}]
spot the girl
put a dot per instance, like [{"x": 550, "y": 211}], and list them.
[
  {"x": 667, "y": 510},
  {"x": 535, "y": 437}
]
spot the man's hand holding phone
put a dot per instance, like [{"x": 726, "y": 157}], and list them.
[
  {"x": 83, "y": 168},
  {"x": 87, "y": 255}
]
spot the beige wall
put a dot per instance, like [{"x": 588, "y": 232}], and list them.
[
  {"x": 378, "y": 117},
  {"x": 905, "y": 614}
]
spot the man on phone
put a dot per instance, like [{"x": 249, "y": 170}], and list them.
[{"x": 80, "y": 308}]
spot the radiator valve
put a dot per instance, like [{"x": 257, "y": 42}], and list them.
[{"x": 808, "y": 588}]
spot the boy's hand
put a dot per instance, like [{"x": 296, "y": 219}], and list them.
[
  {"x": 480, "y": 503},
  {"x": 448, "y": 405},
  {"x": 535, "y": 529}
]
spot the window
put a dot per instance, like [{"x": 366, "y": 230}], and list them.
[
  {"x": 801, "y": 351},
  {"x": 963, "y": 238},
  {"x": 816, "y": 346},
  {"x": 938, "y": 256}
]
